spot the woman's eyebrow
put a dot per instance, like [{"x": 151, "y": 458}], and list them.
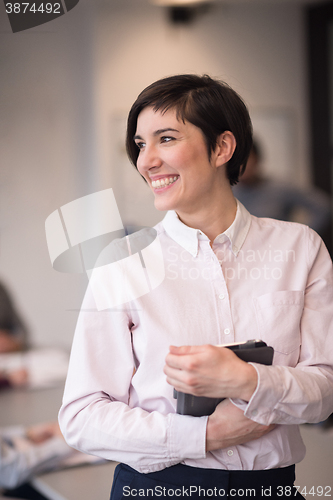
[
  {"x": 158, "y": 132},
  {"x": 163, "y": 130}
]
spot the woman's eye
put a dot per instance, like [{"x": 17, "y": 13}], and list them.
[
  {"x": 140, "y": 145},
  {"x": 167, "y": 139}
]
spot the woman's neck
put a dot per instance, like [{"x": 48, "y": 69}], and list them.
[{"x": 215, "y": 218}]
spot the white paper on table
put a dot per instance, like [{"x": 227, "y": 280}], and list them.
[{"x": 46, "y": 367}]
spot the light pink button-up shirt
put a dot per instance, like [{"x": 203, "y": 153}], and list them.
[{"x": 261, "y": 278}]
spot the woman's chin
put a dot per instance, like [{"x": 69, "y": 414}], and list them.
[{"x": 162, "y": 205}]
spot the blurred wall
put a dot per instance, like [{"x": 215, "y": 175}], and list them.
[
  {"x": 46, "y": 157},
  {"x": 66, "y": 87}
]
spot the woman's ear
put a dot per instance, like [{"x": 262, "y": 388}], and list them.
[{"x": 225, "y": 147}]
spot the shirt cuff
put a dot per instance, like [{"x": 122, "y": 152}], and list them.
[
  {"x": 260, "y": 408},
  {"x": 187, "y": 437}
]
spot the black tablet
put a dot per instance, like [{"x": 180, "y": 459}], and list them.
[{"x": 255, "y": 351}]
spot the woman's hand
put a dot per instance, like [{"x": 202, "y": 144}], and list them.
[
  {"x": 210, "y": 371},
  {"x": 217, "y": 372},
  {"x": 228, "y": 426}
]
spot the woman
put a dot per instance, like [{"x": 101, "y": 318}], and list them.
[{"x": 228, "y": 277}]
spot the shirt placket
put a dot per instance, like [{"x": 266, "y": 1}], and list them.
[
  {"x": 231, "y": 458},
  {"x": 230, "y": 455},
  {"x": 221, "y": 293}
]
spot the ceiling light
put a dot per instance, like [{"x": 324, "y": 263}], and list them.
[{"x": 183, "y": 11}]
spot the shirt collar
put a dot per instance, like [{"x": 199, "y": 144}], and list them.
[{"x": 188, "y": 237}]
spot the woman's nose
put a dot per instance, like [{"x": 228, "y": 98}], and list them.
[{"x": 149, "y": 158}]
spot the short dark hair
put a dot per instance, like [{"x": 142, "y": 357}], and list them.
[{"x": 209, "y": 104}]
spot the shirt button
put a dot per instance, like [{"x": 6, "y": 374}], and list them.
[
  {"x": 227, "y": 331},
  {"x": 221, "y": 296},
  {"x": 230, "y": 453},
  {"x": 254, "y": 413}
]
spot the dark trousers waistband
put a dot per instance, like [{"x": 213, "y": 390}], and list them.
[{"x": 194, "y": 482}]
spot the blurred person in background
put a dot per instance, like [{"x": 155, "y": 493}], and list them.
[
  {"x": 25, "y": 452},
  {"x": 13, "y": 332},
  {"x": 13, "y": 338},
  {"x": 265, "y": 197}
]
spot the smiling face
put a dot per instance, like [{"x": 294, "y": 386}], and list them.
[{"x": 173, "y": 158}]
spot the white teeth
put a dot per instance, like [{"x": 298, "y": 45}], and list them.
[{"x": 164, "y": 182}]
